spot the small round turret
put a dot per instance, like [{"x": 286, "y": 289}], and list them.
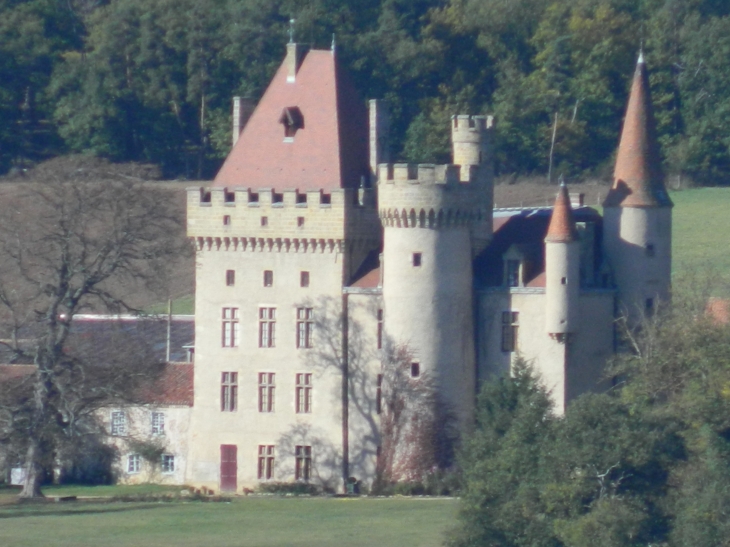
[{"x": 470, "y": 140}]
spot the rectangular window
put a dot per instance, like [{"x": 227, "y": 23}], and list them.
[
  {"x": 158, "y": 423},
  {"x": 415, "y": 369},
  {"x": 229, "y": 391},
  {"x": 264, "y": 221},
  {"x": 305, "y": 327},
  {"x": 268, "y": 278},
  {"x": 380, "y": 329},
  {"x": 168, "y": 463},
  {"x": 267, "y": 327},
  {"x": 379, "y": 395},
  {"x": 417, "y": 260},
  {"x": 266, "y": 461},
  {"x": 510, "y": 320},
  {"x": 134, "y": 463},
  {"x": 304, "y": 279},
  {"x": 300, "y": 221},
  {"x": 513, "y": 273},
  {"x": 226, "y": 220},
  {"x": 230, "y": 278},
  {"x": 267, "y": 391},
  {"x": 119, "y": 423},
  {"x": 304, "y": 393},
  {"x": 303, "y": 470},
  {"x": 230, "y": 328}
]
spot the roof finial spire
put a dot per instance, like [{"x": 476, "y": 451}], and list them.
[
  {"x": 291, "y": 30},
  {"x": 562, "y": 180},
  {"x": 641, "y": 54},
  {"x": 333, "y": 43}
]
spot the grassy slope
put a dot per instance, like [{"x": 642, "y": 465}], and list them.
[{"x": 260, "y": 522}]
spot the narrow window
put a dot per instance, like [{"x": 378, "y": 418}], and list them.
[
  {"x": 264, "y": 221},
  {"x": 134, "y": 463},
  {"x": 379, "y": 395},
  {"x": 650, "y": 251},
  {"x": 415, "y": 369},
  {"x": 380, "y": 329},
  {"x": 226, "y": 220},
  {"x": 304, "y": 279},
  {"x": 158, "y": 423},
  {"x": 305, "y": 327},
  {"x": 230, "y": 328},
  {"x": 267, "y": 327},
  {"x": 303, "y": 469},
  {"x": 512, "y": 272},
  {"x": 268, "y": 278},
  {"x": 229, "y": 391},
  {"x": 266, "y": 462},
  {"x": 304, "y": 393},
  {"x": 563, "y": 280},
  {"x": 417, "y": 259},
  {"x": 119, "y": 423},
  {"x": 300, "y": 221},
  {"x": 509, "y": 330},
  {"x": 649, "y": 305},
  {"x": 267, "y": 391},
  {"x": 168, "y": 463},
  {"x": 230, "y": 278}
]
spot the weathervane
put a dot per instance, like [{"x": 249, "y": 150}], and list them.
[{"x": 291, "y": 30}]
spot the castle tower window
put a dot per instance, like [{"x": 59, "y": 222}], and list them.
[
  {"x": 267, "y": 327},
  {"x": 304, "y": 279},
  {"x": 304, "y": 393},
  {"x": 229, "y": 391},
  {"x": 266, "y": 461},
  {"x": 510, "y": 324},
  {"x": 292, "y": 119},
  {"x": 325, "y": 199},
  {"x": 379, "y": 395},
  {"x": 563, "y": 280},
  {"x": 230, "y": 278},
  {"x": 303, "y": 458},
  {"x": 417, "y": 260},
  {"x": 305, "y": 327},
  {"x": 268, "y": 278},
  {"x": 230, "y": 328},
  {"x": 380, "y": 329},
  {"x": 264, "y": 221},
  {"x": 226, "y": 220},
  {"x": 415, "y": 369},
  {"x": 267, "y": 391},
  {"x": 300, "y": 221}
]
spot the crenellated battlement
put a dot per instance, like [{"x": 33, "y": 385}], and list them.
[
  {"x": 264, "y": 213},
  {"x": 427, "y": 174},
  {"x": 466, "y": 125}
]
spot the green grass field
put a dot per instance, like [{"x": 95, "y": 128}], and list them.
[{"x": 244, "y": 522}]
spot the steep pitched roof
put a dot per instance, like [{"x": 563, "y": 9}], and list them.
[
  {"x": 174, "y": 386},
  {"x": 329, "y": 146},
  {"x": 638, "y": 177},
  {"x": 562, "y": 225}
]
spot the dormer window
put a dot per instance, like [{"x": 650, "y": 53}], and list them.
[
  {"x": 293, "y": 120},
  {"x": 514, "y": 267},
  {"x": 512, "y": 273}
]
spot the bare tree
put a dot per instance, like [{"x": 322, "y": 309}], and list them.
[{"x": 67, "y": 247}]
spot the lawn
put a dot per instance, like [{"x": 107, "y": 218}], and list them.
[{"x": 259, "y": 522}]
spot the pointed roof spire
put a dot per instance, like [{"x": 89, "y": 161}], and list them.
[
  {"x": 638, "y": 179},
  {"x": 562, "y": 226}
]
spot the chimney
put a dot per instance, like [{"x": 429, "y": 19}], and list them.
[
  {"x": 242, "y": 110},
  {"x": 293, "y": 60},
  {"x": 577, "y": 199},
  {"x": 379, "y": 129}
]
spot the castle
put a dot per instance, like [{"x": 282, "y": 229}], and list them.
[{"x": 314, "y": 254}]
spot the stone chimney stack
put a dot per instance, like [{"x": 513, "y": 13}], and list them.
[
  {"x": 242, "y": 110},
  {"x": 379, "y": 131},
  {"x": 294, "y": 55}
]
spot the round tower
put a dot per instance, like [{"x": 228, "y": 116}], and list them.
[
  {"x": 638, "y": 211},
  {"x": 562, "y": 270},
  {"x": 470, "y": 140}
]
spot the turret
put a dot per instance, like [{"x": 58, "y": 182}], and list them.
[
  {"x": 637, "y": 210},
  {"x": 562, "y": 270},
  {"x": 470, "y": 141}
]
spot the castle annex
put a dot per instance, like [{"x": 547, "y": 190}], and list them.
[{"x": 315, "y": 255}]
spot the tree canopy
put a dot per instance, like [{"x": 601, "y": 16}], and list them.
[{"x": 152, "y": 81}]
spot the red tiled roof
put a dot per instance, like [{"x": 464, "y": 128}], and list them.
[
  {"x": 562, "y": 226},
  {"x": 370, "y": 280},
  {"x": 328, "y": 152},
  {"x": 638, "y": 177},
  {"x": 174, "y": 386}
]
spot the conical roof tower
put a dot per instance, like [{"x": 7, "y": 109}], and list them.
[
  {"x": 562, "y": 225},
  {"x": 638, "y": 178}
]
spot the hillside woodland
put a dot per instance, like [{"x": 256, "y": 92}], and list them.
[{"x": 151, "y": 81}]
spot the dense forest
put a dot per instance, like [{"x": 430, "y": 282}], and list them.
[{"x": 144, "y": 80}]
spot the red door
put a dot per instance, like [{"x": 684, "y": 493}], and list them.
[{"x": 229, "y": 467}]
